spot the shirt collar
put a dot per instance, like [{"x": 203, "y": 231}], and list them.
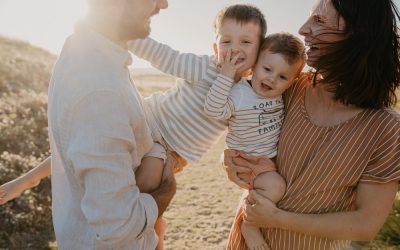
[{"x": 111, "y": 50}]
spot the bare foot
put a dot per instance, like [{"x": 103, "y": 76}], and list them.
[
  {"x": 161, "y": 228},
  {"x": 13, "y": 189},
  {"x": 253, "y": 237}
]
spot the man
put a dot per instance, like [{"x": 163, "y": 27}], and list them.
[{"x": 98, "y": 134}]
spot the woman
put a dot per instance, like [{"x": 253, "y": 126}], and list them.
[{"x": 339, "y": 149}]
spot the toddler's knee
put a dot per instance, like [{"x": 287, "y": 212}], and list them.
[{"x": 271, "y": 185}]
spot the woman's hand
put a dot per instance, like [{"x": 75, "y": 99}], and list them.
[
  {"x": 236, "y": 173},
  {"x": 240, "y": 167},
  {"x": 261, "y": 212}
]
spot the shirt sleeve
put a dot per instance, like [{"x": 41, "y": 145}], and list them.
[
  {"x": 218, "y": 104},
  {"x": 188, "y": 66},
  {"x": 101, "y": 148},
  {"x": 384, "y": 165}
]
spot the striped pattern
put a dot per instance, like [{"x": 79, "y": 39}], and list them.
[
  {"x": 254, "y": 122},
  {"x": 179, "y": 112},
  {"x": 322, "y": 166}
]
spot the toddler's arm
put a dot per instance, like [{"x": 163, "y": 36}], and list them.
[
  {"x": 188, "y": 66},
  {"x": 218, "y": 104},
  {"x": 14, "y": 188}
]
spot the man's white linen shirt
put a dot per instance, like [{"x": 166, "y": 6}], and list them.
[{"x": 98, "y": 136}]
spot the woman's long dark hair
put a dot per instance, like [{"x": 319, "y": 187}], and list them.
[{"x": 364, "y": 69}]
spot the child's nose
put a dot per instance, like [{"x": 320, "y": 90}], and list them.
[
  {"x": 235, "y": 48},
  {"x": 272, "y": 78}
]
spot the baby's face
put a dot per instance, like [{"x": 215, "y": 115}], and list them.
[
  {"x": 242, "y": 39},
  {"x": 272, "y": 74}
]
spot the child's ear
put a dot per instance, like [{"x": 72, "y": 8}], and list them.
[{"x": 215, "y": 49}]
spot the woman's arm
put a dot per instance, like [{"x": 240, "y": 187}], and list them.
[
  {"x": 14, "y": 188},
  {"x": 373, "y": 204}
]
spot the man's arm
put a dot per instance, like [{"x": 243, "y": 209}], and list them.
[
  {"x": 188, "y": 66},
  {"x": 100, "y": 153}
]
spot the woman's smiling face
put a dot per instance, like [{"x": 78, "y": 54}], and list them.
[{"x": 323, "y": 28}]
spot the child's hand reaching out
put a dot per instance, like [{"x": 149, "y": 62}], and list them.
[{"x": 228, "y": 64}]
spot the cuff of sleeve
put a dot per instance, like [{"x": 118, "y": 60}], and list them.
[
  {"x": 157, "y": 151},
  {"x": 151, "y": 214},
  {"x": 225, "y": 80}
]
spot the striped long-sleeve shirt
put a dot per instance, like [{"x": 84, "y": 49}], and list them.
[
  {"x": 322, "y": 166},
  {"x": 179, "y": 112},
  {"x": 254, "y": 122}
]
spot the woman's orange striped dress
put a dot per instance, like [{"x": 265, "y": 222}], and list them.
[{"x": 323, "y": 165}]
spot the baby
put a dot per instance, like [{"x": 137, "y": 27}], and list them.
[{"x": 254, "y": 110}]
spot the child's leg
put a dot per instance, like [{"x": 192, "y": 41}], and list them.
[
  {"x": 149, "y": 173},
  {"x": 148, "y": 178},
  {"x": 272, "y": 186},
  {"x": 160, "y": 227},
  {"x": 14, "y": 188}
]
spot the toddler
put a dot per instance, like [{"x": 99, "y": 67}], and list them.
[{"x": 254, "y": 110}]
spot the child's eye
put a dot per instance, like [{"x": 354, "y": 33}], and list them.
[
  {"x": 267, "y": 69},
  {"x": 246, "y": 41},
  {"x": 283, "y": 77},
  {"x": 225, "y": 42}
]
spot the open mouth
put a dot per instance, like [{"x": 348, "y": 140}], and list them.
[
  {"x": 265, "y": 87},
  {"x": 240, "y": 60},
  {"x": 311, "y": 47}
]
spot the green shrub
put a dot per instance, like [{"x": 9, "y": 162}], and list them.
[
  {"x": 23, "y": 142},
  {"x": 25, "y": 71},
  {"x": 390, "y": 233}
]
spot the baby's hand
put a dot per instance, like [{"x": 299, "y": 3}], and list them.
[{"x": 228, "y": 65}]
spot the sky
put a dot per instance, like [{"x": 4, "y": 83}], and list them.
[{"x": 187, "y": 25}]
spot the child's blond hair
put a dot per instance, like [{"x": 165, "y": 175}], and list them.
[
  {"x": 241, "y": 13},
  {"x": 290, "y": 46}
]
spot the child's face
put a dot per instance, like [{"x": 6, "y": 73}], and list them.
[
  {"x": 272, "y": 74},
  {"x": 241, "y": 38}
]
